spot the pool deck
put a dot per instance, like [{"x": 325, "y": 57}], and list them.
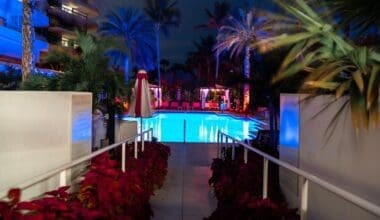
[{"x": 186, "y": 194}]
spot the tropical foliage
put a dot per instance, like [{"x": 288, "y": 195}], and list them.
[
  {"x": 86, "y": 70},
  {"x": 10, "y": 79},
  {"x": 105, "y": 192},
  {"x": 244, "y": 201},
  {"x": 356, "y": 14},
  {"x": 202, "y": 60},
  {"x": 330, "y": 62},
  {"x": 238, "y": 36},
  {"x": 133, "y": 28},
  {"x": 216, "y": 19}
]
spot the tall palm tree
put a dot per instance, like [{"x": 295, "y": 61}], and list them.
[
  {"x": 164, "y": 14},
  {"x": 27, "y": 39},
  {"x": 238, "y": 36},
  {"x": 331, "y": 63},
  {"x": 203, "y": 58},
  {"x": 215, "y": 22},
  {"x": 134, "y": 29}
]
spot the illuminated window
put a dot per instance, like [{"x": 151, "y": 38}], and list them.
[
  {"x": 67, "y": 9},
  {"x": 65, "y": 42}
]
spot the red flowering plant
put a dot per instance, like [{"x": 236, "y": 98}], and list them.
[
  {"x": 9, "y": 209},
  {"x": 54, "y": 205},
  {"x": 119, "y": 105},
  {"x": 105, "y": 192},
  {"x": 238, "y": 188},
  {"x": 153, "y": 162},
  {"x": 115, "y": 194},
  {"x": 126, "y": 194}
]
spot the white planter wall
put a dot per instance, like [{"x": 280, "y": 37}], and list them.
[
  {"x": 40, "y": 131},
  {"x": 349, "y": 161},
  {"x": 125, "y": 129}
]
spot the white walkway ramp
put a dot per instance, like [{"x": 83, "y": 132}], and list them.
[{"x": 186, "y": 194}]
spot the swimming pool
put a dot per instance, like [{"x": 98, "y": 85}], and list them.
[{"x": 197, "y": 127}]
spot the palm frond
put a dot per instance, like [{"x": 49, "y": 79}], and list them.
[{"x": 332, "y": 62}]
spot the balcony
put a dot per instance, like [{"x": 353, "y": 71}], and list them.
[
  {"x": 71, "y": 16},
  {"x": 11, "y": 44},
  {"x": 85, "y": 6}
]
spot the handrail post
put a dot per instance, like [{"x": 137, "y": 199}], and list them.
[
  {"x": 233, "y": 150},
  {"x": 150, "y": 134},
  {"x": 142, "y": 141},
  {"x": 136, "y": 147},
  {"x": 62, "y": 178},
  {"x": 265, "y": 179},
  {"x": 218, "y": 144},
  {"x": 226, "y": 144},
  {"x": 304, "y": 198},
  {"x": 245, "y": 155},
  {"x": 123, "y": 157}
]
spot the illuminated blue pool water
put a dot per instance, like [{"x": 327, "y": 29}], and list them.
[{"x": 200, "y": 127}]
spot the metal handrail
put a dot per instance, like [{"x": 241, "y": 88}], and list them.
[
  {"x": 62, "y": 169},
  {"x": 348, "y": 196}
]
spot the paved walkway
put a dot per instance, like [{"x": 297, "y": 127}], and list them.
[{"x": 186, "y": 194}]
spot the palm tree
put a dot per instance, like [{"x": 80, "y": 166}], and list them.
[
  {"x": 203, "y": 58},
  {"x": 27, "y": 39},
  {"x": 164, "y": 14},
  {"x": 332, "y": 63},
  {"x": 238, "y": 35},
  {"x": 215, "y": 22},
  {"x": 134, "y": 29},
  {"x": 88, "y": 70}
]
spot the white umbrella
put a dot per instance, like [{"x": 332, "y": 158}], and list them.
[{"x": 141, "y": 104}]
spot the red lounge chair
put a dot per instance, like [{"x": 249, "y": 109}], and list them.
[
  {"x": 185, "y": 105},
  {"x": 165, "y": 105},
  {"x": 196, "y": 105},
  {"x": 174, "y": 105},
  {"x": 214, "y": 105}
]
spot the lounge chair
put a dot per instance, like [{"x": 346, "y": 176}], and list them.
[
  {"x": 196, "y": 105},
  {"x": 214, "y": 105},
  {"x": 164, "y": 105},
  {"x": 174, "y": 105},
  {"x": 185, "y": 105}
]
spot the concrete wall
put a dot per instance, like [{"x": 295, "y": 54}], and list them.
[
  {"x": 125, "y": 129},
  {"x": 289, "y": 146},
  {"x": 40, "y": 131},
  {"x": 337, "y": 154}
]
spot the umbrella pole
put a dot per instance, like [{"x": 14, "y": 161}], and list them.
[{"x": 142, "y": 136}]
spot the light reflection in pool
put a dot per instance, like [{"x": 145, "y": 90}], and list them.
[{"x": 200, "y": 127}]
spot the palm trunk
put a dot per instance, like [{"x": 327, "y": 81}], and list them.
[
  {"x": 247, "y": 76},
  {"x": 158, "y": 60},
  {"x": 27, "y": 40},
  {"x": 126, "y": 70},
  {"x": 217, "y": 63},
  {"x": 217, "y": 69}
]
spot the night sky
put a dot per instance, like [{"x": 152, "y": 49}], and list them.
[{"x": 180, "y": 42}]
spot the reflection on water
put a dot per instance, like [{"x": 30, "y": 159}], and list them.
[{"x": 196, "y": 127}]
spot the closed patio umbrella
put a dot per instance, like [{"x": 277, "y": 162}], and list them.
[{"x": 141, "y": 104}]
